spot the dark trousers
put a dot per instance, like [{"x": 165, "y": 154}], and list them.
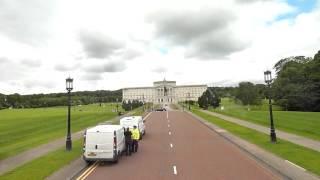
[
  {"x": 128, "y": 148},
  {"x": 135, "y": 145}
]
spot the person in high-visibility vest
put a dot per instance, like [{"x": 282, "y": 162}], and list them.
[{"x": 135, "y": 138}]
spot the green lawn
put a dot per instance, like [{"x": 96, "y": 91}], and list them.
[
  {"x": 304, "y": 157},
  {"x": 302, "y": 123},
  {"x": 22, "y": 129},
  {"x": 44, "y": 166}
]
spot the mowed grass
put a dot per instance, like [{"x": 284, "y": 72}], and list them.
[
  {"x": 22, "y": 129},
  {"x": 301, "y": 123},
  {"x": 44, "y": 166},
  {"x": 304, "y": 157}
]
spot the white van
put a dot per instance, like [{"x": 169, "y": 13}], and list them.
[
  {"x": 131, "y": 121},
  {"x": 103, "y": 142}
]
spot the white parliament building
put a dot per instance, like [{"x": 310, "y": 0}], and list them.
[{"x": 164, "y": 92}]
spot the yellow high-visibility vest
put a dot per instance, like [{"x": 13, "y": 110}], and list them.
[{"x": 135, "y": 134}]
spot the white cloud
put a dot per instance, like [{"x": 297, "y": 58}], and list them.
[{"x": 134, "y": 45}]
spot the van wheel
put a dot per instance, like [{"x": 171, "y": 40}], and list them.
[
  {"x": 89, "y": 163},
  {"x": 116, "y": 158}
]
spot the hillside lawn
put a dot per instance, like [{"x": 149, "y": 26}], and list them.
[
  {"x": 22, "y": 129},
  {"x": 301, "y": 123}
]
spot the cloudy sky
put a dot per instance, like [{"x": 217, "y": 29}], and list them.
[{"x": 117, "y": 44}]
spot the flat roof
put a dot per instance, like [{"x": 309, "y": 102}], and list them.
[
  {"x": 152, "y": 87},
  {"x": 104, "y": 128}
]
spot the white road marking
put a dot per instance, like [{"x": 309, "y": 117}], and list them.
[
  {"x": 167, "y": 115},
  {"x": 171, "y": 145},
  {"x": 169, "y": 133},
  {"x": 147, "y": 116},
  {"x": 175, "y": 172},
  {"x": 295, "y": 165},
  {"x": 168, "y": 125}
]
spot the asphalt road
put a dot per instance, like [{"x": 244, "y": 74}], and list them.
[{"x": 177, "y": 146}]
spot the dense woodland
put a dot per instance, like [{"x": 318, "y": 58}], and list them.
[{"x": 58, "y": 99}]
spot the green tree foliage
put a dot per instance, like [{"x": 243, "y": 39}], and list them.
[
  {"x": 297, "y": 86},
  {"x": 58, "y": 99},
  {"x": 249, "y": 94},
  {"x": 129, "y": 105},
  {"x": 209, "y": 98},
  {"x": 225, "y": 91}
]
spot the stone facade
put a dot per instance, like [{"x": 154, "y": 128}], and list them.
[{"x": 164, "y": 92}]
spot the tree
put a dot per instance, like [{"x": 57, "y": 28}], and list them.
[
  {"x": 297, "y": 86},
  {"x": 248, "y": 94},
  {"x": 209, "y": 98}
]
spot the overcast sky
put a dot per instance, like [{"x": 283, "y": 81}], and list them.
[{"x": 116, "y": 44}]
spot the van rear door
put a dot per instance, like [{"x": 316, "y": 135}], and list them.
[
  {"x": 99, "y": 145},
  {"x": 128, "y": 123}
]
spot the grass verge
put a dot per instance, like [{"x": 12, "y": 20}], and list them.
[
  {"x": 22, "y": 129},
  {"x": 304, "y": 157},
  {"x": 44, "y": 166},
  {"x": 305, "y": 124}
]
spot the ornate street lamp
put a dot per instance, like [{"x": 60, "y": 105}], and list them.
[
  {"x": 69, "y": 87},
  {"x": 268, "y": 80}
]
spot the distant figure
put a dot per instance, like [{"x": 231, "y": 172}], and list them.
[
  {"x": 128, "y": 139},
  {"x": 135, "y": 138}
]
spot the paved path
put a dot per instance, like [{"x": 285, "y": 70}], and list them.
[
  {"x": 296, "y": 139},
  {"x": 178, "y": 146},
  {"x": 26, "y": 156}
]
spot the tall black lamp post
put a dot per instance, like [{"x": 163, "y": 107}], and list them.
[
  {"x": 143, "y": 102},
  {"x": 189, "y": 100},
  {"x": 117, "y": 104},
  {"x": 268, "y": 80},
  {"x": 69, "y": 87}
]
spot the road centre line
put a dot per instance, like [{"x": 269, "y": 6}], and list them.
[
  {"x": 168, "y": 125},
  {"x": 167, "y": 115},
  {"x": 87, "y": 172},
  {"x": 169, "y": 133},
  {"x": 175, "y": 172},
  {"x": 295, "y": 165},
  {"x": 171, "y": 145}
]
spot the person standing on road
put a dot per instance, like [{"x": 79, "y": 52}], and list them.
[
  {"x": 135, "y": 139},
  {"x": 128, "y": 139}
]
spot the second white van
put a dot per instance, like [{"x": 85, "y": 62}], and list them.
[{"x": 131, "y": 121}]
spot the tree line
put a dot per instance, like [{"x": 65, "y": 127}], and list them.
[
  {"x": 129, "y": 105},
  {"x": 58, "y": 99},
  {"x": 296, "y": 86}
]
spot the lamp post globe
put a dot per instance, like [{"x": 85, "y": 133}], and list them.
[
  {"x": 69, "y": 88},
  {"x": 267, "y": 77},
  {"x": 268, "y": 80}
]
